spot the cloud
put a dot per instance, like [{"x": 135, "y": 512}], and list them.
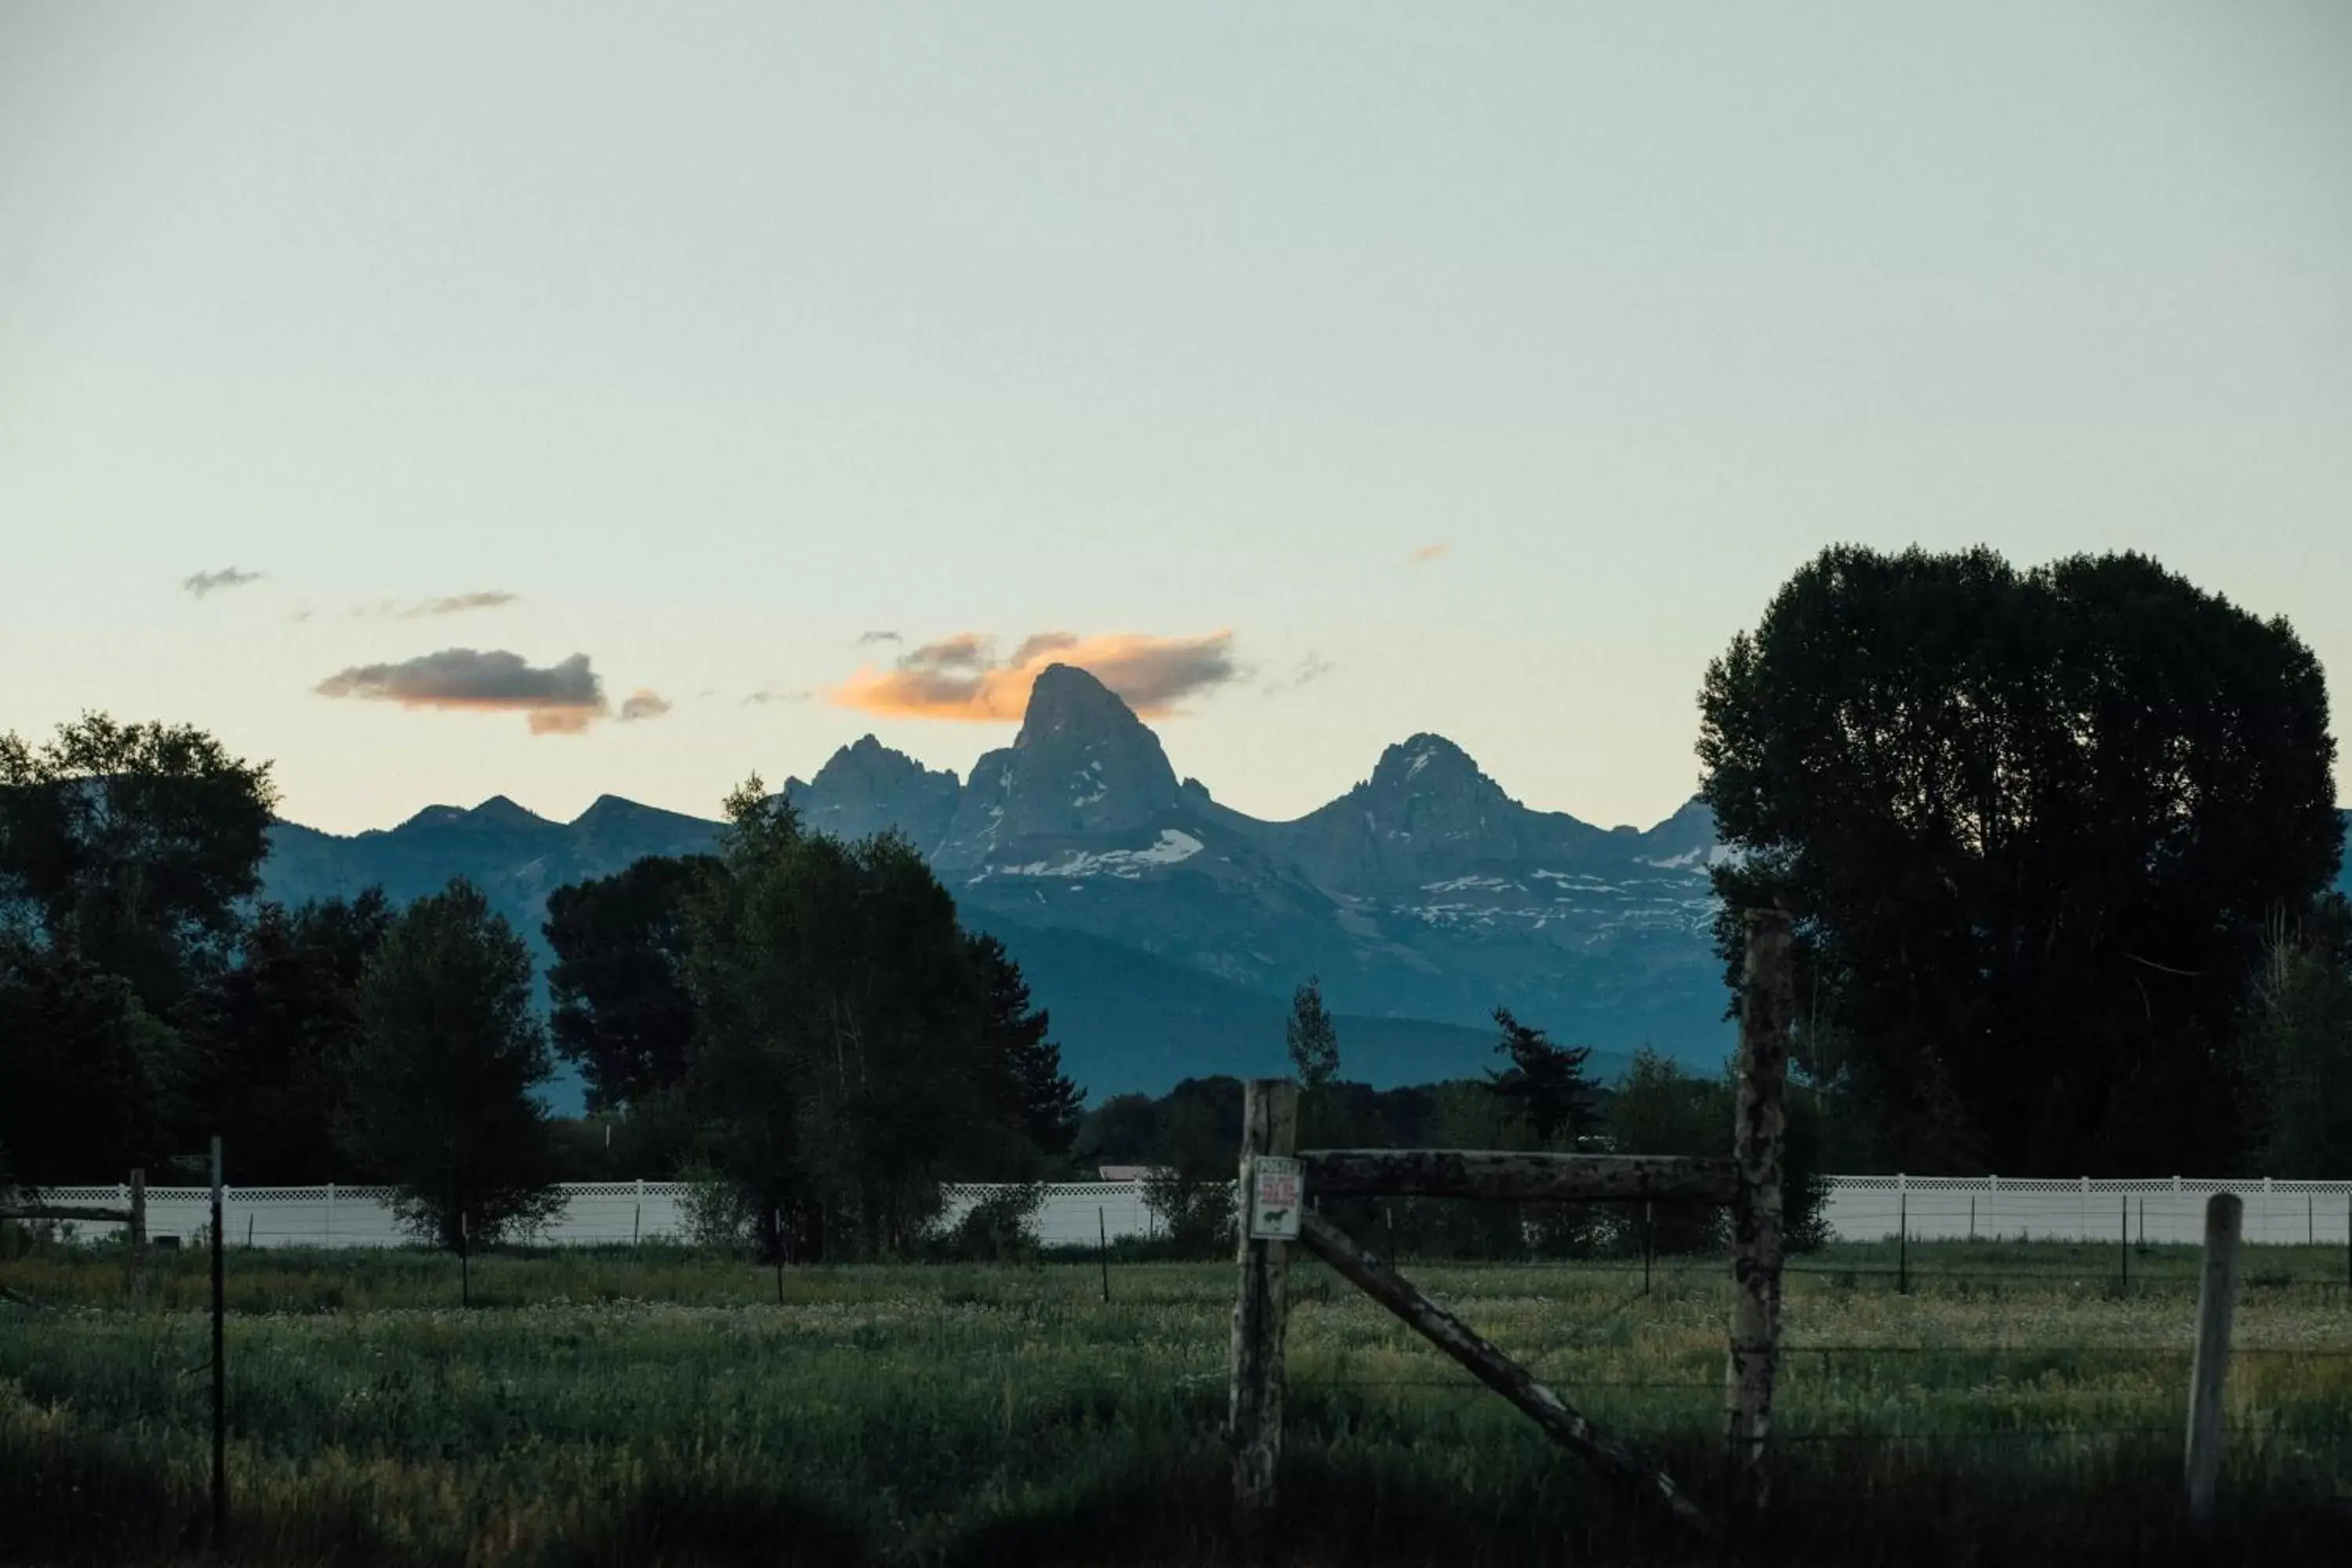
[
  {"x": 458, "y": 604},
  {"x": 1313, "y": 666},
  {"x": 1427, "y": 553},
  {"x": 644, "y": 703},
  {"x": 961, "y": 676},
  {"x": 561, "y": 699},
  {"x": 776, "y": 691},
  {"x": 204, "y": 582},
  {"x": 865, "y": 639}
]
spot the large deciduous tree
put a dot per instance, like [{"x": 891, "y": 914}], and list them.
[
  {"x": 132, "y": 847},
  {"x": 85, "y": 1071},
  {"x": 620, "y": 1004},
  {"x": 2031, "y": 825},
  {"x": 442, "y": 1080},
  {"x": 269, "y": 1040},
  {"x": 840, "y": 1070}
]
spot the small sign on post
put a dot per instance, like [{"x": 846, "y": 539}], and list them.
[{"x": 1276, "y": 1194}]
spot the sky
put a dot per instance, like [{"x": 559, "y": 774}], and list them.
[{"x": 556, "y": 399}]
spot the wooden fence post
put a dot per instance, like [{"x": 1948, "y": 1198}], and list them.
[
  {"x": 1765, "y": 1007},
  {"x": 1261, "y": 1311},
  {"x": 2217, "y": 1292},
  {"x": 139, "y": 1234}
]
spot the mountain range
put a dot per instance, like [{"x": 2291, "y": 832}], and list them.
[{"x": 1166, "y": 930}]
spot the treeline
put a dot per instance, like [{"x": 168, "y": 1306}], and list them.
[
  {"x": 1539, "y": 1096},
  {"x": 801, "y": 1023},
  {"x": 2057, "y": 843}
]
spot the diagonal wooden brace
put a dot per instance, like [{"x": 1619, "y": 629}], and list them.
[{"x": 1449, "y": 1333}]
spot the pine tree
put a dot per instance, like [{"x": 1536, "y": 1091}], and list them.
[
  {"x": 1314, "y": 1042},
  {"x": 1039, "y": 1101},
  {"x": 1545, "y": 1080}
]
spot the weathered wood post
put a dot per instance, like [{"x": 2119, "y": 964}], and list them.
[
  {"x": 137, "y": 1234},
  {"x": 1261, "y": 1311},
  {"x": 2217, "y": 1293},
  {"x": 1765, "y": 1007}
]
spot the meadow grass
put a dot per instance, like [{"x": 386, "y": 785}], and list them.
[{"x": 616, "y": 1407}]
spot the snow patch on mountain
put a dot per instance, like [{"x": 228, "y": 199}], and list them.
[{"x": 1169, "y": 849}]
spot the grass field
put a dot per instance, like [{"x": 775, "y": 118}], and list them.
[{"x": 2017, "y": 1404}]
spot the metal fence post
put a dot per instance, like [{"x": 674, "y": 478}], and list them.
[
  {"x": 220, "y": 1369},
  {"x": 1901, "y": 1234}
]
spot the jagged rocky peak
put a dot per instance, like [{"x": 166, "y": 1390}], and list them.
[
  {"x": 1082, "y": 763},
  {"x": 866, "y": 787},
  {"x": 1084, "y": 751},
  {"x": 866, "y": 763},
  {"x": 1431, "y": 764}
]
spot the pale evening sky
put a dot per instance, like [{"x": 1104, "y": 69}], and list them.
[{"x": 1470, "y": 369}]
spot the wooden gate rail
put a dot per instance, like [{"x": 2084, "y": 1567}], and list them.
[
  {"x": 1479, "y": 1174},
  {"x": 1749, "y": 1183},
  {"x": 1490, "y": 1366}
]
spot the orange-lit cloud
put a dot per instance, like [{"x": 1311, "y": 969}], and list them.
[
  {"x": 962, "y": 678},
  {"x": 562, "y": 700},
  {"x": 1427, "y": 553},
  {"x": 644, "y": 703}
]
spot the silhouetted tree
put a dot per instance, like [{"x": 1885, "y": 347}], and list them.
[
  {"x": 1545, "y": 1082},
  {"x": 85, "y": 1070},
  {"x": 269, "y": 1041},
  {"x": 619, "y": 1007},
  {"x": 129, "y": 846},
  {"x": 2300, "y": 1046},
  {"x": 841, "y": 1070},
  {"x": 1024, "y": 1064},
  {"x": 2029, "y": 825},
  {"x": 442, "y": 1082}
]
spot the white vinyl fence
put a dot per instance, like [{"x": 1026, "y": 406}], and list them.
[
  {"x": 1073, "y": 1214},
  {"x": 2085, "y": 1209},
  {"x": 1861, "y": 1208}
]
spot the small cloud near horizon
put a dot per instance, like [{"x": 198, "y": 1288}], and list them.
[
  {"x": 865, "y": 639},
  {"x": 204, "y": 583},
  {"x": 561, "y": 698},
  {"x": 645, "y": 703},
  {"x": 1429, "y": 553},
  {"x": 962, "y": 678},
  {"x": 776, "y": 691},
  {"x": 1313, "y": 666},
  {"x": 458, "y": 604}
]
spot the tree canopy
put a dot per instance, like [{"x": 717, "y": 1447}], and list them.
[
  {"x": 2031, "y": 825},
  {"x": 619, "y": 1007},
  {"x": 442, "y": 1082},
  {"x": 133, "y": 846},
  {"x": 1021, "y": 1059},
  {"x": 1545, "y": 1082},
  {"x": 270, "y": 1039},
  {"x": 842, "y": 1063}
]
